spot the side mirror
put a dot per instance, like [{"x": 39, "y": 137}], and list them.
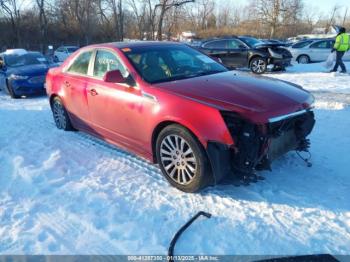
[
  {"x": 114, "y": 76},
  {"x": 217, "y": 59}
]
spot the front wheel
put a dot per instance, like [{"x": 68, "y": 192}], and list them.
[
  {"x": 60, "y": 115},
  {"x": 258, "y": 65},
  {"x": 10, "y": 90},
  {"x": 182, "y": 159},
  {"x": 303, "y": 59}
]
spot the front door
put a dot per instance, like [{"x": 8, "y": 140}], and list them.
[
  {"x": 319, "y": 51},
  {"x": 237, "y": 53},
  {"x": 115, "y": 108}
]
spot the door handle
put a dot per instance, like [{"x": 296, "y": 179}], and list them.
[
  {"x": 67, "y": 84},
  {"x": 93, "y": 92}
]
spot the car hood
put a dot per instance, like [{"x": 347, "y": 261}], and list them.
[
  {"x": 253, "y": 97},
  {"x": 29, "y": 70}
]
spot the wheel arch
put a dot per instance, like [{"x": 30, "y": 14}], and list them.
[
  {"x": 160, "y": 126},
  {"x": 52, "y": 97}
]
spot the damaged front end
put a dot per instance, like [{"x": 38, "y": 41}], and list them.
[{"x": 257, "y": 145}]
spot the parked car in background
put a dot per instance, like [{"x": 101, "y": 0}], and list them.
[
  {"x": 313, "y": 50},
  {"x": 179, "y": 108},
  {"x": 23, "y": 74},
  {"x": 239, "y": 52},
  {"x": 16, "y": 51},
  {"x": 273, "y": 41},
  {"x": 63, "y": 52}
]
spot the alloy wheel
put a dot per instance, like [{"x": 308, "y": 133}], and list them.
[
  {"x": 259, "y": 66},
  {"x": 303, "y": 59},
  {"x": 178, "y": 159},
  {"x": 59, "y": 115}
]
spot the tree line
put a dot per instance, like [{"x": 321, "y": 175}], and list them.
[{"x": 39, "y": 23}]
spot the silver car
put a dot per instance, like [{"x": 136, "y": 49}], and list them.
[
  {"x": 313, "y": 50},
  {"x": 63, "y": 52}
]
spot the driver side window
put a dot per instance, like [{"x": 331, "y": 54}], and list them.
[{"x": 106, "y": 61}]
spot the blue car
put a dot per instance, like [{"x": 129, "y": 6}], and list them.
[{"x": 23, "y": 74}]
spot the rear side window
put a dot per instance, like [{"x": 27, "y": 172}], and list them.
[
  {"x": 81, "y": 63},
  {"x": 218, "y": 44},
  {"x": 301, "y": 44},
  {"x": 106, "y": 61}
]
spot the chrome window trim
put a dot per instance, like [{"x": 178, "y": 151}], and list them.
[{"x": 282, "y": 117}]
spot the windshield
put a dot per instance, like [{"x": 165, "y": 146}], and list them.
[
  {"x": 25, "y": 59},
  {"x": 251, "y": 41},
  {"x": 168, "y": 63},
  {"x": 72, "y": 49}
]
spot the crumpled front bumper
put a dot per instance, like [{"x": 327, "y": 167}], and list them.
[
  {"x": 27, "y": 87},
  {"x": 257, "y": 146}
]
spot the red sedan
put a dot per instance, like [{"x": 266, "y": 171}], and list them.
[{"x": 179, "y": 108}]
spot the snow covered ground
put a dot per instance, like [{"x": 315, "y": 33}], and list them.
[{"x": 69, "y": 193}]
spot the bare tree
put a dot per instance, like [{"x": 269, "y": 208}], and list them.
[
  {"x": 331, "y": 20},
  {"x": 11, "y": 10},
  {"x": 42, "y": 23},
  {"x": 140, "y": 15},
  {"x": 345, "y": 15},
  {"x": 165, "y": 6},
  {"x": 117, "y": 14}
]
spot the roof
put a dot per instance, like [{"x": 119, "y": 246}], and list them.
[{"x": 137, "y": 44}]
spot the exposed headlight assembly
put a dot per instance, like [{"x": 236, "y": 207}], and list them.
[
  {"x": 18, "y": 77},
  {"x": 275, "y": 54}
]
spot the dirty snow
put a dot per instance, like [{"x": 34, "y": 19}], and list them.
[{"x": 69, "y": 193}]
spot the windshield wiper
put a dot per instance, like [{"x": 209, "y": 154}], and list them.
[
  {"x": 182, "y": 77},
  {"x": 209, "y": 72}
]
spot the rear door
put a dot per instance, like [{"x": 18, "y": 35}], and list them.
[
  {"x": 218, "y": 49},
  {"x": 75, "y": 84},
  {"x": 320, "y": 50},
  {"x": 115, "y": 108}
]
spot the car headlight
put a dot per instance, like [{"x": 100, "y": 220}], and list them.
[
  {"x": 18, "y": 77},
  {"x": 275, "y": 54},
  {"x": 311, "y": 101}
]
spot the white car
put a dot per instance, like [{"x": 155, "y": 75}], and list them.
[
  {"x": 17, "y": 51},
  {"x": 313, "y": 50},
  {"x": 63, "y": 52}
]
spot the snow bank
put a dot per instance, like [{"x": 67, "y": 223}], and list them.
[{"x": 69, "y": 193}]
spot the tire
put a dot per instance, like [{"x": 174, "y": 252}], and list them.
[
  {"x": 303, "y": 59},
  {"x": 60, "y": 115},
  {"x": 258, "y": 65},
  {"x": 175, "y": 144},
  {"x": 10, "y": 91}
]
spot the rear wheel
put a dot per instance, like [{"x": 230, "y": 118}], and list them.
[
  {"x": 303, "y": 59},
  {"x": 60, "y": 115},
  {"x": 182, "y": 159},
  {"x": 258, "y": 65}
]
